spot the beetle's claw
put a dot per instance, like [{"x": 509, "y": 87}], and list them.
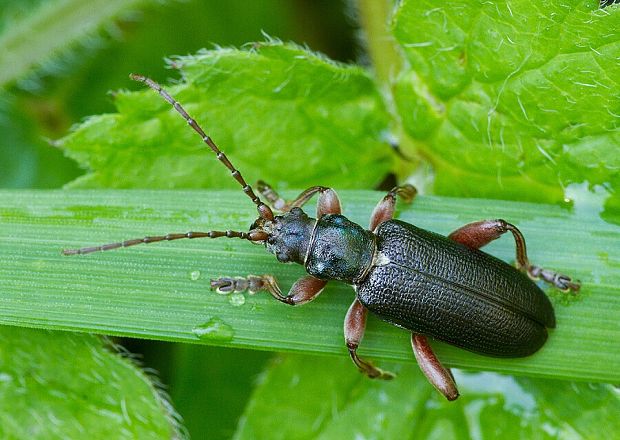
[{"x": 566, "y": 285}]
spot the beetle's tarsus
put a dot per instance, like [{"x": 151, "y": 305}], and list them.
[
  {"x": 226, "y": 285},
  {"x": 407, "y": 192},
  {"x": 272, "y": 197},
  {"x": 561, "y": 281},
  {"x": 304, "y": 290},
  {"x": 368, "y": 368},
  {"x": 381, "y": 374}
]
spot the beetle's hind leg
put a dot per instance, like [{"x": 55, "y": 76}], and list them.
[
  {"x": 384, "y": 210},
  {"x": 438, "y": 375},
  {"x": 477, "y": 234},
  {"x": 354, "y": 326},
  {"x": 304, "y": 290}
]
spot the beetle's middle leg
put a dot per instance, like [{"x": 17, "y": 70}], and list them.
[
  {"x": 354, "y": 326},
  {"x": 384, "y": 210},
  {"x": 304, "y": 290},
  {"x": 477, "y": 234},
  {"x": 328, "y": 199}
]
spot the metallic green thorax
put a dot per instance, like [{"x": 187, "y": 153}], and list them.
[
  {"x": 340, "y": 250},
  {"x": 331, "y": 248}
]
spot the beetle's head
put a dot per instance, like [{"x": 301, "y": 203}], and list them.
[{"x": 287, "y": 236}]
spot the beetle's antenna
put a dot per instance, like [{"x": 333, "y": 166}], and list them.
[
  {"x": 254, "y": 235},
  {"x": 263, "y": 210}
]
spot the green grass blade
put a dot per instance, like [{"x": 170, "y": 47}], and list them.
[{"x": 162, "y": 291}]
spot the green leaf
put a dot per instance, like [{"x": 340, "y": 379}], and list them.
[
  {"x": 288, "y": 404},
  {"x": 513, "y": 100},
  {"x": 98, "y": 391},
  {"x": 39, "y": 34},
  {"x": 163, "y": 292},
  {"x": 279, "y": 112}
]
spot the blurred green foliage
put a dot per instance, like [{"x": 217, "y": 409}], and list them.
[
  {"x": 491, "y": 406},
  {"x": 498, "y": 111},
  {"x": 44, "y": 104},
  {"x": 44, "y": 394}
]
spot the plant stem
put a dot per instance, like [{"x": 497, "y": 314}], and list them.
[{"x": 374, "y": 17}]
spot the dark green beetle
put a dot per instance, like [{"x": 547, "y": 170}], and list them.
[{"x": 431, "y": 285}]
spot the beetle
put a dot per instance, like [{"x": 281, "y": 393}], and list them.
[{"x": 441, "y": 287}]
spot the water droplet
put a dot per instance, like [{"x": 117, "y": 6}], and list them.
[
  {"x": 194, "y": 275},
  {"x": 214, "y": 329},
  {"x": 236, "y": 299}
]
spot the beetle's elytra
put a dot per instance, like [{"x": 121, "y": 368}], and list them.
[{"x": 431, "y": 285}]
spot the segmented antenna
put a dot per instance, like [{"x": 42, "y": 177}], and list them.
[
  {"x": 263, "y": 210},
  {"x": 252, "y": 236}
]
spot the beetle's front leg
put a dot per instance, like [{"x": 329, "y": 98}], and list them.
[
  {"x": 384, "y": 210},
  {"x": 272, "y": 197},
  {"x": 328, "y": 199},
  {"x": 304, "y": 290},
  {"x": 354, "y": 326},
  {"x": 477, "y": 234},
  {"x": 438, "y": 375}
]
